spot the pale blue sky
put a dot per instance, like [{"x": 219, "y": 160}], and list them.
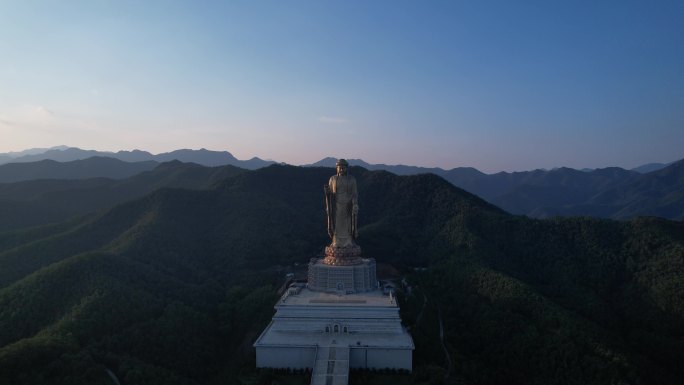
[{"x": 497, "y": 85}]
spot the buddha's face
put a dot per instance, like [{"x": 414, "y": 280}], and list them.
[{"x": 341, "y": 169}]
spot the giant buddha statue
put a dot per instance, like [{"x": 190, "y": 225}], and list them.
[{"x": 342, "y": 209}]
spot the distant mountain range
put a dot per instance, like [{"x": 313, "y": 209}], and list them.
[
  {"x": 610, "y": 192},
  {"x": 413, "y": 170},
  {"x": 221, "y": 158},
  {"x": 654, "y": 189},
  {"x": 66, "y": 154}
]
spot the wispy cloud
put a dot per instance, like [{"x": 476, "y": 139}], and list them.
[
  {"x": 27, "y": 115},
  {"x": 43, "y": 112},
  {"x": 332, "y": 120},
  {"x": 40, "y": 118}
]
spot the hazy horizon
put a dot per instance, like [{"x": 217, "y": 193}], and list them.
[
  {"x": 494, "y": 85},
  {"x": 63, "y": 147}
]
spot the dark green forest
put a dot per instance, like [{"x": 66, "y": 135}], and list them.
[
  {"x": 38, "y": 202},
  {"x": 174, "y": 286}
]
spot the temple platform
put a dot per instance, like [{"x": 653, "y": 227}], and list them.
[{"x": 307, "y": 322}]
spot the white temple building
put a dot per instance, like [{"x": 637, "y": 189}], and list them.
[
  {"x": 333, "y": 331},
  {"x": 340, "y": 318}
]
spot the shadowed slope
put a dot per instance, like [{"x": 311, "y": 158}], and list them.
[
  {"x": 39, "y": 202},
  {"x": 95, "y": 167},
  {"x": 170, "y": 288}
]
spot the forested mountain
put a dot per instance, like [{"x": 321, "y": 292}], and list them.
[
  {"x": 650, "y": 167},
  {"x": 537, "y": 194},
  {"x": 172, "y": 288},
  {"x": 43, "y": 201},
  {"x": 658, "y": 193},
  {"x": 399, "y": 169},
  {"x": 610, "y": 192},
  {"x": 95, "y": 167}
]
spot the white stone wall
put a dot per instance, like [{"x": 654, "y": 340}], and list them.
[
  {"x": 285, "y": 357},
  {"x": 359, "y": 358},
  {"x": 389, "y": 358},
  {"x": 377, "y": 358},
  {"x": 353, "y": 326}
]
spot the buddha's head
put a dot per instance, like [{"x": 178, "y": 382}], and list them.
[{"x": 342, "y": 166}]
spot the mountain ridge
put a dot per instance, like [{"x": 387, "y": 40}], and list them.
[
  {"x": 66, "y": 153},
  {"x": 202, "y": 156},
  {"x": 43, "y": 201},
  {"x": 93, "y": 167},
  {"x": 539, "y": 193}
]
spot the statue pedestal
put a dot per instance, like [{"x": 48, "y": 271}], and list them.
[
  {"x": 342, "y": 276},
  {"x": 343, "y": 256}
]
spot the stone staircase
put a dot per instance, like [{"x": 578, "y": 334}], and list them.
[{"x": 331, "y": 366}]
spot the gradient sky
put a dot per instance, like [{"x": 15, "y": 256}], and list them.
[{"x": 497, "y": 85}]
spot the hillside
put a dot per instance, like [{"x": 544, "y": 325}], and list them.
[
  {"x": 44, "y": 201},
  {"x": 174, "y": 287},
  {"x": 610, "y": 192},
  {"x": 95, "y": 167},
  {"x": 658, "y": 193}
]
